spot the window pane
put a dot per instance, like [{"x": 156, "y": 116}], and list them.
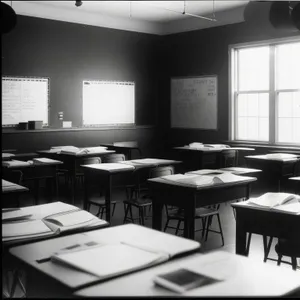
[
  {"x": 285, "y": 105},
  {"x": 253, "y": 69},
  {"x": 288, "y": 66},
  {"x": 242, "y": 129},
  {"x": 242, "y": 105},
  {"x": 252, "y": 105},
  {"x": 252, "y": 127},
  {"x": 296, "y": 104},
  {"x": 263, "y": 103},
  {"x": 296, "y": 130},
  {"x": 263, "y": 132},
  {"x": 285, "y": 128}
]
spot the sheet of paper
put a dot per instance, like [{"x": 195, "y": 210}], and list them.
[
  {"x": 274, "y": 199},
  {"x": 112, "y": 166},
  {"x": 14, "y": 215}
]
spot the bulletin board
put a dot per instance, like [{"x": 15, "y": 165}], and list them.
[
  {"x": 24, "y": 99},
  {"x": 194, "y": 102}
]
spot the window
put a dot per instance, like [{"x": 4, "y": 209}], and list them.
[{"x": 265, "y": 92}]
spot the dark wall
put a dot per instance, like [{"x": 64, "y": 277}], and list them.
[
  {"x": 205, "y": 52},
  {"x": 68, "y": 53}
]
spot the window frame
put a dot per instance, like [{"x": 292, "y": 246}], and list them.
[{"x": 273, "y": 92}]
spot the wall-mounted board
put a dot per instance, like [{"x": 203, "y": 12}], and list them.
[
  {"x": 108, "y": 102},
  {"x": 194, "y": 102},
  {"x": 24, "y": 99}
]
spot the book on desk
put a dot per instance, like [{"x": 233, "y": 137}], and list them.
[
  {"x": 45, "y": 220},
  {"x": 71, "y": 150},
  {"x": 283, "y": 202}
]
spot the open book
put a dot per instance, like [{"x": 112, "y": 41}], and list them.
[
  {"x": 109, "y": 260},
  {"x": 22, "y": 226},
  {"x": 286, "y": 202},
  {"x": 195, "y": 180},
  {"x": 79, "y": 151}
]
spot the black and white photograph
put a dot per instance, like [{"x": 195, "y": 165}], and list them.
[{"x": 150, "y": 149}]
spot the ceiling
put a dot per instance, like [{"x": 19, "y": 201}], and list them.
[{"x": 155, "y": 17}]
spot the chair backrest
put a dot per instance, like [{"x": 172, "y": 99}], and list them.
[
  {"x": 114, "y": 158},
  {"x": 87, "y": 161},
  {"x": 227, "y": 158},
  {"x": 161, "y": 171}
]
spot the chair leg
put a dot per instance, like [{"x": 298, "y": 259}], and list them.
[
  {"x": 141, "y": 213},
  {"x": 102, "y": 211},
  {"x": 126, "y": 209},
  {"x": 114, "y": 207},
  {"x": 294, "y": 262},
  {"x": 203, "y": 226},
  {"x": 177, "y": 227},
  {"x": 221, "y": 231},
  {"x": 208, "y": 222},
  {"x": 131, "y": 216},
  {"x": 167, "y": 223},
  {"x": 279, "y": 259}
]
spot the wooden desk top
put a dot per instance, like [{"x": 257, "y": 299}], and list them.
[
  {"x": 238, "y": 275},
  {"x": 54, "y": 152},
  {"x": 271, "y": 159},
  {"x": 295, "y": 178},
  {"x": 124, "y": 145}
]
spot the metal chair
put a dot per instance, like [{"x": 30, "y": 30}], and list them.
[
  {"x": 205, "y": 214},
  {"x": 141, "y": 202},
  {"x": 100, "y": 203},
  {"x": 288, "y": 248}
]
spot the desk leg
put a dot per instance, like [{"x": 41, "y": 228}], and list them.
[
  {"x": 73, "y": 182},
  {"x": 36, "y": 191},
  {"x": 240, "y": 236},
  {"x": 189, "y": 222},
  {"x": 157, "y": 208},
  {"x": 85, "y": 191},
  {"x": 108, "y": 198}
]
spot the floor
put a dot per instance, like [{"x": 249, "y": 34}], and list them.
[{"x": 213, "y": 242}]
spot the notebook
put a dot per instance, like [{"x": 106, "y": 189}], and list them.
[
  {"x": 80, "y": 151},
  {"x": 285, "y": 202},
  {"x": 112, "y": 166},
  {"x": 109, "y": 260}
]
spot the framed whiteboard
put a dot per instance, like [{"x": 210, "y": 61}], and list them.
[
  {"x": 194, "y": 102},
  {"x": 108, "y": 102},
  {"x": 24, "y": 99}
]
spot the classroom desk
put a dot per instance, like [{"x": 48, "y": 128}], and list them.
[
  {"x": 8, "y": 150},
  {"x": 7, "y": 156},
  {"x": 11, "y": 192},
  {"x": 36, "y": 172},
  {"x": 39, "y": 212},
  {"x": 198, "y": 158},
  {"x": 296, "y": 182},
  {"x": 70, "y": 163},
  {"x": 251, "y": 219},
  {"x": 55, "y": 280},
  {"x": 124, "y": 147},
  {"x": 278, "y": 169},
  {"x": 99, "y": 172},
  {"x": 189, "y": 198},
  {"x": 239, "y": 277}
]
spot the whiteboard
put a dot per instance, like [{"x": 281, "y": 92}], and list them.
[
  {"x": 108, "y": 102},
  {"x": 24, "y": 99},
  {"x": 194, "y": 102}
]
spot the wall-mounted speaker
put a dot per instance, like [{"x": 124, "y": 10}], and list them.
[
  {"x": 280, "y": 16},
  {"x": 8, "y": 18}
]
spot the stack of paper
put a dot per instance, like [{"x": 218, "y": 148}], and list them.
[
  {"x": 15, "y": 163},
  {"x": 196, "y": 145},
  {"x": 111, "y": 166},
  {"x": 285, "y": 202},
  {"x": 79, "y": 151}
]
